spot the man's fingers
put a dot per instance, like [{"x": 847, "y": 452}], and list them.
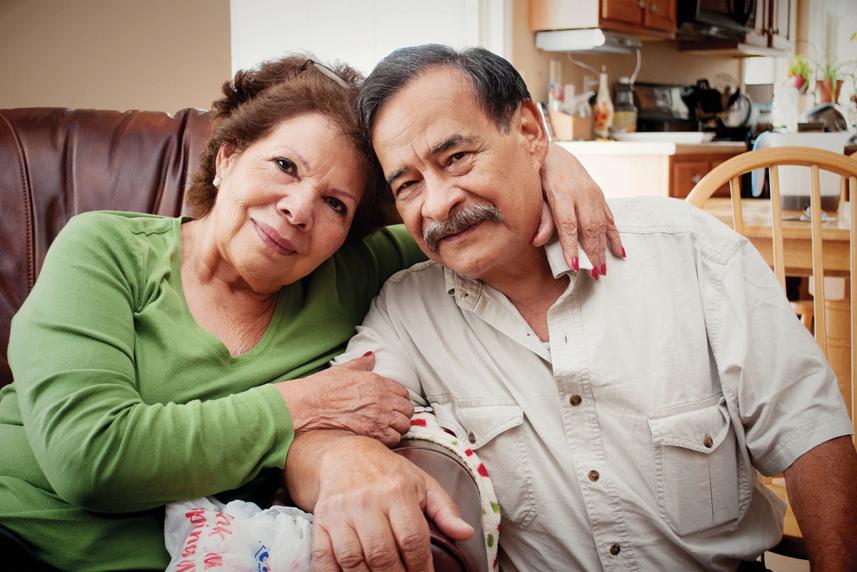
[
  {"x": 363, "y": 363},
  {"x": 444, "y": 513},
  {"x": 412, "y": 536},
  {"x": 546, "y": 227},
  {"x": 380, "y": 552},
  {"x": 322, "y": 551},
  {"x": 347, "y": 549}
]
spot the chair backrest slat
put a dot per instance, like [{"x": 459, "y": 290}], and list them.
[
  {"x": 777, "y": 227},
  {"x": 737, "y": 213},
  {"x": 817, "y": 259}
]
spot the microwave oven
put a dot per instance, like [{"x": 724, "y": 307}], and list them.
[{"x": 719, "y": 18}]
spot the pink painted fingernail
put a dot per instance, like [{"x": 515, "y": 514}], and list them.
[
  {"x": 367, "y": 354},
  {"x": 624, "y": 255},
  {"x": 595, "y": 273},
  {"x": 603, "y": 269},
  {"x": 575, "y": 264}
]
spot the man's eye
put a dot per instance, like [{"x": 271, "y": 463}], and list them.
[
  {"x": 338, "y": 206},
  {"x": 404, "y": 187},
  {"x": 286, "y": 166},
  {"x": 457, "y": 157}
]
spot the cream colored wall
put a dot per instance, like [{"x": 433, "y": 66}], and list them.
[
  {"x": 661, "y": 61},
  {"x": 160, "y": 55}
]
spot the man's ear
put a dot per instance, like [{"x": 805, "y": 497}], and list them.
[{"x": 533, "y": 130}]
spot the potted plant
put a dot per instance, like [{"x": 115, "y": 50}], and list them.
[{"x": 799, "y": 72}]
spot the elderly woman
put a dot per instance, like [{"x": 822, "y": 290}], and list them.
[{"x": 160, "y": 359}]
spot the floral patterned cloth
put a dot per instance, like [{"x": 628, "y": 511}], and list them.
[{"x": 424, "y": 427}]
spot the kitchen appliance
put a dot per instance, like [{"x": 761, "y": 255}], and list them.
[
  {"x": 829, "y": 116},
  {"x": 795, "y": 182},
  {"x": 718, "y": 18},
  {"x": 661, "y": 107}
]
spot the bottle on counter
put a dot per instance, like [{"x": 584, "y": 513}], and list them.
[
  {"x": 602, "y": 111},
  {"x": 625, "y": 114}
]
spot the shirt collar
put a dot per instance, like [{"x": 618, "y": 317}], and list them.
[
  {"x": 553, "y": 250},
  {"x": 557, "y": 262}
]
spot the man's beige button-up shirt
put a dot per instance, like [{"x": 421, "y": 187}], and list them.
[{"x": 629, "y": 440}]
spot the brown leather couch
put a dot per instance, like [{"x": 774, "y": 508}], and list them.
[{"x": 56, "y": 163}]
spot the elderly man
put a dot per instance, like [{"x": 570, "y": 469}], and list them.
[{"x": 622, "y": 425}]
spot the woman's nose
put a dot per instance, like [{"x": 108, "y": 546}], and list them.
[{"x": 297, "y": 207}]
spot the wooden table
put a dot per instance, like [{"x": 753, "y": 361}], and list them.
[{"x": 797, "y": 243}]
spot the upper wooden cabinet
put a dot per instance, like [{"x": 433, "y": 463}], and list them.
[
  {"x": 652, "y": 18},
  {"x": 773, "y": 26}
]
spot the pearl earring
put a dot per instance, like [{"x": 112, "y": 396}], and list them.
[{"x": 216, "y": 182}]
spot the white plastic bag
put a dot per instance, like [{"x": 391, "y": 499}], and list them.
[{"x": 205, "y": 534}]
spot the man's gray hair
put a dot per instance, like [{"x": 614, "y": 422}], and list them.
[{"x": 499, "y": 88}]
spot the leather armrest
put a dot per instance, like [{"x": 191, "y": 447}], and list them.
[{"x": 442, "y": 465}]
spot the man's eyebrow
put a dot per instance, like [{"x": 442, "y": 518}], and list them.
[
  {"x": 452, "y": 141},
  {"x": 395, "y": 175},
  {"x": 437, "y": 149}
]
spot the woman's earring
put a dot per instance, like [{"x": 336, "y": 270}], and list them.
[{"x": 216, "y": 181}]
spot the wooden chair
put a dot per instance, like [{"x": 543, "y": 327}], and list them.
[{"x": 813, "y": 316}]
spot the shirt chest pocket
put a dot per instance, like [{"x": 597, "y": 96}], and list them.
[
  {"x": 496, "y": 434},
  {"x": 697, "y": 465}
]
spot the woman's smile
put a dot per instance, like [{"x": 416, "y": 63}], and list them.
[{"x": 273, "y": 239}]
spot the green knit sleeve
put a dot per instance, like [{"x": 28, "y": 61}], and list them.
[{"x": 99, "y": 444}]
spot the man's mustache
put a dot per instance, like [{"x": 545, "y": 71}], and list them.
[{"x": 460, "y": 220}]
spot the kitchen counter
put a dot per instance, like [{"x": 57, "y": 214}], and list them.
[
  {"x": 651, "y": 148},
  {"x": 657, "y": 168}
]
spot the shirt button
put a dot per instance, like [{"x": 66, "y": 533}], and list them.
[
  {"x": 593, "y": 475},
  {"x": 471, "y": 437},
  {"x": 708, "y": 441},
  {"x": 614, "y": 549},
  {"x": 575, "y": 400}
]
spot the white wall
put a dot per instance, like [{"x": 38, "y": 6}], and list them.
[
  {"x": 157, "y": 55},
  {"x": 361, "y": 32}
]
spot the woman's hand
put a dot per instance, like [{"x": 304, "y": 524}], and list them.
[
  {"x": 578, "y": 211},
  {"x": 349, "y": 397}
]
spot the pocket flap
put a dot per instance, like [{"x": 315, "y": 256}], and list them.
[
  {"x": 484, "y": 422},
  {"x": 701, "y": 426}
]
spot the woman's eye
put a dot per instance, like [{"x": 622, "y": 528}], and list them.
[
  {"x": 286, "y": 166},
  {"x": 337, "y": 205}
]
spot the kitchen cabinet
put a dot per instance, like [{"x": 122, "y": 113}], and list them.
[
  {"x": 652, "y": 18},
  {"x": 687, "y": 170},
  {"x": 774, "y": 25},
  {"x": 783, "y": 14},
  {"x": 629, "y": 169}
]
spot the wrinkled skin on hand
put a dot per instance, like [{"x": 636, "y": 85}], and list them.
[
  {"x": 349, "y": 397},
  {"x": 371, "y": 511}
]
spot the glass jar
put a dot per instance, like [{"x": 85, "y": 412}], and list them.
[{"x": 624, "y": 112}]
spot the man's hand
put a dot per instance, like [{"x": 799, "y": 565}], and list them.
[
  {"x": 822, "y": 492},
  {"x": 370, "y": 505},
  {"x": 579, "y": 212}
]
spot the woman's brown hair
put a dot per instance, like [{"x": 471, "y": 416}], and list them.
[{"x": 258, "y": 100}]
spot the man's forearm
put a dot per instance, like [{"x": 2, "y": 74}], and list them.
[
  {"x": 823, "y": 495},
  {"x": 304, "y": 464}
]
